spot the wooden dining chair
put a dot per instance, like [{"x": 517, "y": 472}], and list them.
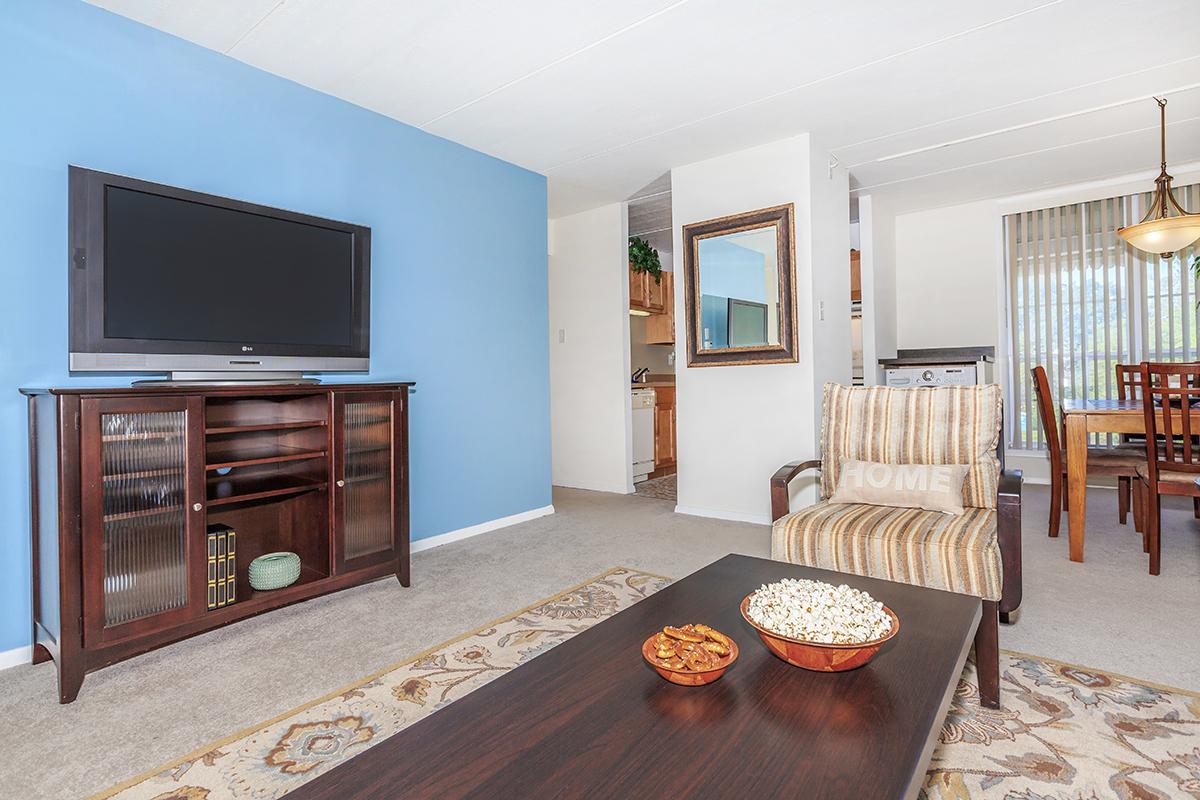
[
  {"x": 1118, "y": 462},
  {"x": 1170, "y": 395},
  {"x": 1129, "y": 387}
]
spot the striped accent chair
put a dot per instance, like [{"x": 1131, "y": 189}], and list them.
[{"x": 976, "y": 553}]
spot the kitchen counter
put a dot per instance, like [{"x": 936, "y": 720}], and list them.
[
  {"x": 654, "y": 380},
  {"x": 940, "y": 356}
]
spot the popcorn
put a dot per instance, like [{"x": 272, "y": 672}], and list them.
[{"x": 814, "y": 611}]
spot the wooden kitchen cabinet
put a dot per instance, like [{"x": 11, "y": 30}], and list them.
[
  {"x": 664, "y": 431},
  {"x": 645, "y": 293},
  {"x": 855, "y": 276},
  {"x": 660, "y": 328}
]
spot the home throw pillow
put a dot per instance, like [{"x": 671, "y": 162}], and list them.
[{"x": 934, "y": 487}]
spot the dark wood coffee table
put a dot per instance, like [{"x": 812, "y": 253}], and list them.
[{"x": 591, "y": 719}]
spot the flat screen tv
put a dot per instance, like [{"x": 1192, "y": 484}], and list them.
[{"x": 208, "y": 288}]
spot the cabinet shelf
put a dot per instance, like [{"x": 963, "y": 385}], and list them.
[
  {"x": 383, "y": 476},
  {"x": 145, "y": 512},
  {"x": 231, "y": 489},
  {"x": 137, "y": 437},
  {"x": 145, "y": 473},
  {"x": 251, "y": 455},
  {"x": 367, "y": 448},
  {"x": 266, "y": 424},
  {"x": 249, "y": 596}
]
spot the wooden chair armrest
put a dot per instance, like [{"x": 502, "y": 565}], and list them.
[
  {"x": 779, "y": 485},
  {"x": 1008, "y": 535},
  {"x": 1010, "y": 487}
]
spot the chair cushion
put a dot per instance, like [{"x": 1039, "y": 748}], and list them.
[
  {"x": 1182, "y": 479},
  {"x": 908, "y": 545},
  {"x": 943, "y": 425},
  {"x": 1115, "y": 459}
]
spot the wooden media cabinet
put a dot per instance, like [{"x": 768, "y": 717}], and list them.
[{"x": 126, "y": 483}]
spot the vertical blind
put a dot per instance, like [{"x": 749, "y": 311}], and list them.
[{"x": 1080, "y": 301}]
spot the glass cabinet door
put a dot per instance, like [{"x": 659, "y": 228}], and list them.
[
  {"x": 367, "y": 440},
  {"x": 139, "y": 493}
]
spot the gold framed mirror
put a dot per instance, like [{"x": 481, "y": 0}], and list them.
[{"x": 740, "y": 293}]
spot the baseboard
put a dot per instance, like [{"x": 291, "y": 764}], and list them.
[
  {"x": 16, "y": 657},
  {"x": 716, "y": 513},
  {"x": 484, "y": 527},
  {"x": 594, "y": 487}
]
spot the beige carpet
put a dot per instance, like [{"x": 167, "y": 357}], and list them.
[
  {"x": 131, "y": 717},
  {"x": 1064, "y": 732}
]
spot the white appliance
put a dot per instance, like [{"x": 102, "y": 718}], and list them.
[
  {"x": 931, "y": 376},
  {"x": 643, "y": 433}
]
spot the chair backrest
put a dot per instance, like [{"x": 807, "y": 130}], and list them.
[
  {"x": 1049, "y": 418},
  {"x": 942, "y": 425},
  {"x": 1170, "y": 395},
  {"x": 1129, "y": 381}
]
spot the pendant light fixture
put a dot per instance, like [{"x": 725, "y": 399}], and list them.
[{"x": 1159, "y": 232}]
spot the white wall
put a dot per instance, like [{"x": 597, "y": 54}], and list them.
[
  {"x": 877, "y": 236},
  {"x": 591, "y": 441},
  {"x": 947, "y": 289},
  {"x": 950, "y": 271},
  {"x": 738, "y": 424},
  {"x": 826, "y": 235}
]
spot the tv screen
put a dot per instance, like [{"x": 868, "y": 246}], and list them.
[
  {"x": 169, "y": 279},
  {"x": 186, "y": 271}
]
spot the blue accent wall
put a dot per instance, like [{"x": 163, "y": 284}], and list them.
[{"x": 459, "y": 297}]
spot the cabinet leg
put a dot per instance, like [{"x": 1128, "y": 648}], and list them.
[
  {"x": 402, "y": 574},
  {"x": 40, "y": 654},
  {"x": 69, "y": 681}
]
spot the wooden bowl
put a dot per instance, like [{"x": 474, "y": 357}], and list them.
[
  {"x": 818, "y": 656},
  {"x": 685, "y": 677}
]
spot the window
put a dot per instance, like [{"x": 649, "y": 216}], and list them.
[{"x": 1081, "y": 301}]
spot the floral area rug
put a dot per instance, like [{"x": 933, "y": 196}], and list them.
[
  {"x": 1064, "y": 732},
  {"x": 270, "y": 760},
  {"x": 1067, "y": 733}
]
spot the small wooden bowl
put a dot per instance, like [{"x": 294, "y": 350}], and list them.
[
  {"x": 685, "y": 677},
  {"x": 818, "y": 656}
]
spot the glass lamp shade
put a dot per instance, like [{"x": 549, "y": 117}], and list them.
[{"x": 1163, "y": 235}]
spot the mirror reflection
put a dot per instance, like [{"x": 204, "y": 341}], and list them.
[{"x": 739, "y": 289}]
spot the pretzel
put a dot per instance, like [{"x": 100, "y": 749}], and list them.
[
  {"x": 716, "y": 636},
  {"x": 716, "y": 647},
  {"x": 683, "y": 635},
  {"x": 695, "y": 648}
]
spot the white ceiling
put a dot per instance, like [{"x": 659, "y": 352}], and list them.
[{"x": 603, "y": 97}]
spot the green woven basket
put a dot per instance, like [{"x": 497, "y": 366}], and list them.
[{"x": 274, "y": 571}]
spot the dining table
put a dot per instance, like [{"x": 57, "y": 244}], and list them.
[{"x": 1084, "y": 417}]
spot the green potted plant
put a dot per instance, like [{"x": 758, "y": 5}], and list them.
[{"x": 644, "y": 258}]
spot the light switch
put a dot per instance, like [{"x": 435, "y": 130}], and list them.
[{"x": 562, "y": 335}]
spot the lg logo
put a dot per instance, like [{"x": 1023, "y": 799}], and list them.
[{"x": 247, "y": 349}]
